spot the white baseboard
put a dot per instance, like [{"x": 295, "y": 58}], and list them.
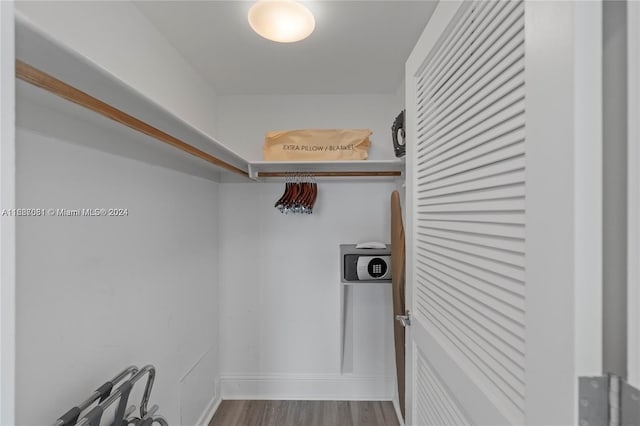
[
  {"x": 211, "y": 408},
  {"x": 347, "y": 387}
]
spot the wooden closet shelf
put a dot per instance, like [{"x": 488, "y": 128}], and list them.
[{"x": 346, "y": 169}]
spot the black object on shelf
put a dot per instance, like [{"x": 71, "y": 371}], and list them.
[{"x": 397, "y": 132}]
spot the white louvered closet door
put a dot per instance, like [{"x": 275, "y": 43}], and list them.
[{"x": 480, "y": 282}]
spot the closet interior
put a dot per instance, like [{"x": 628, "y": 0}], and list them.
[
  {"x": 195, "y": 273},
  {"x": 145, "y": 223}
]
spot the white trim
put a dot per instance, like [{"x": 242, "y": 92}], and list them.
[
  {"x": 588, "y": 124},
  {"x": 562, "y": 211},
  {"x": 633, "y": 280},
  {"x": 444, "y": 13},
  {"x": 331, "y": 387},
  {"x": 209, "y": 411},
  {"x": 7, "y": 224}
]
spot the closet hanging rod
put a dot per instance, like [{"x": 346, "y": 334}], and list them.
[
  {"x": 331, "y": 174},
  {"x": 59, "y": 88}
]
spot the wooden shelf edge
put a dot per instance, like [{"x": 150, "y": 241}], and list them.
[{"x": 346, "y": 169}]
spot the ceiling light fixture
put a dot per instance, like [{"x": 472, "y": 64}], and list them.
[{"x": 284, "y": 21}]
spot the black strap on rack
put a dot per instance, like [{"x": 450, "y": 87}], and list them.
[
  {"x": 105, "y": 390},
  {"x": 94, "y": 416},
  {"x": 70, "y": 418},
  {"x": 125, "y": 390}
]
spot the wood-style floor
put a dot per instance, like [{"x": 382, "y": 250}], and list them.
[{"x": 305, "y": 413}]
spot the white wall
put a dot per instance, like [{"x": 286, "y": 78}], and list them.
[
  {"x": 119, "y": 39},
  {"x": 7, "y": 225},
  {"x": 243, "y": 120},
  {"x": 280, "y": 312},
  {"x": 97, "y": 294},
  {"x": 280, "y": 294}
]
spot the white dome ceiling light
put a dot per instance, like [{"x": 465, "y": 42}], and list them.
[{"x": 284, "y": 21}]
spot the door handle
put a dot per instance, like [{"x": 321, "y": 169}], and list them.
[{"x": 405, "y": 319}]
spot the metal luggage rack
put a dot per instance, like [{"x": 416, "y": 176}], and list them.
[{"x": 91, "y": 410}]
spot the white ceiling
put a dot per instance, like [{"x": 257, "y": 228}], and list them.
[{"x": 357, "y": 46}]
